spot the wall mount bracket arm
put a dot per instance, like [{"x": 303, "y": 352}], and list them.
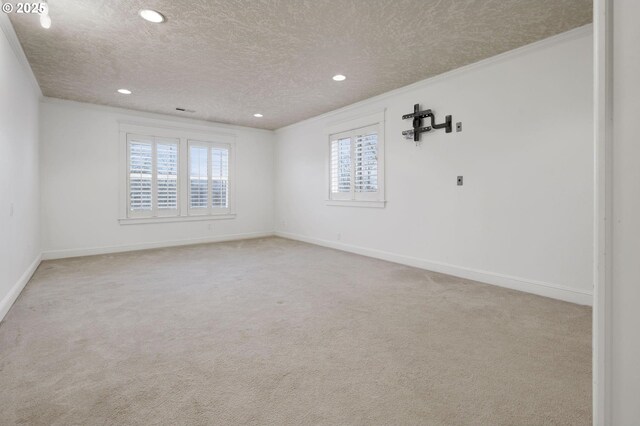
[{"x": 418, "y": 128}]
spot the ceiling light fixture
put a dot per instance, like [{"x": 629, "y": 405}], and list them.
[
  {"x": 124, "y": 91},
  {"x": 45, "y": 19},
  {"x": 152, "y": 16},
  {"x": 339, "y": 77},
  {"x": 257, "y": 115}
]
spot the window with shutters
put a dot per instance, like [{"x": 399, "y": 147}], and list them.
[
  {"x": 356, "y": 167},
  {"x": 152, "y": 176},
  {"x": 208, "y": 177},
  {"x": 172, "y": 176}
]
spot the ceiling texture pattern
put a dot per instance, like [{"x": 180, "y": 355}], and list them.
[{"x": 230, "y": 59}]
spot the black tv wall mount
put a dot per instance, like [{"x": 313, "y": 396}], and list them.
[{"x": 418, "y": 128}]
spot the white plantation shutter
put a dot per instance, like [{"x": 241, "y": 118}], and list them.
[
  {"x": 366, "y": 163},
  {"x": 167, "y": 176},
  {"x": 140, "y": 175},
  {"x": 219, "y": 177},
  {"x": 152, "y": 177},
  {"x": 341, "y": 166},
  {"x": 355, "y": 169},
  {"x": 208, "y": 177},
  {"x": 170, "y": 176},
  {"x": 198, "y": 177}
]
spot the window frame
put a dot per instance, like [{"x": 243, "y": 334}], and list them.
[
  {"x": 352, "y": 128},
  {"x": 159, "y": 132}
]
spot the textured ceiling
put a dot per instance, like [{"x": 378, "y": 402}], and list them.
[{"x": 229, "y": 59}]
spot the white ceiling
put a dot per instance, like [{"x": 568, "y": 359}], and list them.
[{"x": 230, "y": 59}]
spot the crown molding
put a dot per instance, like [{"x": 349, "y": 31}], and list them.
[
  {"x": 576, "y": 33},
  {"x": 133, "y": 115}
]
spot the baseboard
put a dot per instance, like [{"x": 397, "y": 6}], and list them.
[
  {"x": 61, "y": 254},
  {"x": 540, "y": 288},
  {"x": 8, "y": 300}
]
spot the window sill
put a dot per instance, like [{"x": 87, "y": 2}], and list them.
[
  {"x": 354, "y": 203},
  {"x": 169, "y": 219}
]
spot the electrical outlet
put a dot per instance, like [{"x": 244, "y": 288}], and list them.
[
  {"x": 460, "y": 181},
  {"x": 459, "y": 126}
]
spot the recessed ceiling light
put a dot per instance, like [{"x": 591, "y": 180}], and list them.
[
  {"x": 124, "y": 91},
  {"x": 258, "y": 115},
  {"x": 152, "y": 16},
  {"x": 45, "y": 21},
  {"x": 339, "y": 77}
]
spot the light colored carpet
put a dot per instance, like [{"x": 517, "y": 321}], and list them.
[{"x": 277, "y": 332}]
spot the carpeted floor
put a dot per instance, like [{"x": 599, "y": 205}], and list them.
[{"x": 277, "y": 332}]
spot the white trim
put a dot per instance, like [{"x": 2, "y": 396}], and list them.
[
  {"x": 175, "y": 132},
  {"x": 91, "y": 251},
  {"x": 12, "y": 39},
  {"x": 356, "y": 203},
  {"x": 356, "y": 122},
  {"x": 538, "y": 45},
  {"x": 350, "y": 133},
  {"x": 540, "y": 288},
  {"x": 170, "y": 219},
  {"x": 10, "y": 298},
  {"x": 155, "y": 119},
  {"x": 603, "y": 142}
]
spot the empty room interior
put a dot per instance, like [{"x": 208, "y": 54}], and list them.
[{"x": 329, "y": 212}]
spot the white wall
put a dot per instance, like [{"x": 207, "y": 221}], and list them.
[
  {"x": 81, "y": 183},
  {"x": 19, "y": 193},
  {"x": 625, "y": 259},
  {"x": 524, "y": 216}
]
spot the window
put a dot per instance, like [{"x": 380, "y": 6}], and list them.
[
  {"x": 171, "y": 176},
  {"x": 153, "y": 176},
  {"x": 208, "y": 178},
  {"x": 356, "y": 166}
]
